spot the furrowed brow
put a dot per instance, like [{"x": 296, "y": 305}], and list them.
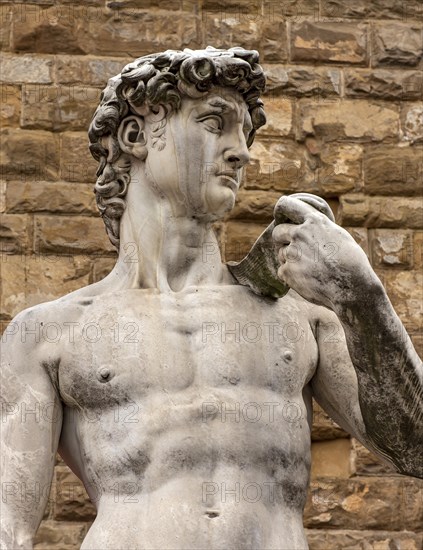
[{"x": 223, "y": 106}]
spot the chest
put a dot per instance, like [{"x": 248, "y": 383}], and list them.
[{"x": 134, "y": 346}]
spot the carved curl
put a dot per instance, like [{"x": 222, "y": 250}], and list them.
[{"x": 154, "y": 86}]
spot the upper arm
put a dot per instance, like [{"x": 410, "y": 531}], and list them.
[
  {"x": 334, "y": 384},
  {"x": 30, "y": 429}
]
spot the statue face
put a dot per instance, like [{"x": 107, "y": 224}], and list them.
[{"x": 200, "y": 167}]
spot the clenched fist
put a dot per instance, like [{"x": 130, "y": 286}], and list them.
[{"x": 319, "y": 259}]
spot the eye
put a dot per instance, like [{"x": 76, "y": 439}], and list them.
[{"x": 213, "y": 123}]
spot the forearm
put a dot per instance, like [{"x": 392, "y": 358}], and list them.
[{"x": 390, "y": 377}]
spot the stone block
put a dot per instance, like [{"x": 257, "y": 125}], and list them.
[
  {"x": 71, "y": 499},
  {"x": 267, "y": 10},
  {"x": 2, "y": 196},
  {"x": 377, "y": 9},
  {"x": 284, "y": 166},
  {"x": 71, "y": 235},
  {"x": 89, "y": 3},
  {"x": 392, "y": 248},
  {"x": 126, "y": 7},
  {"x": 48, "y": 197},
  {"x": 274, "y": 45},
  {"x": 10, "y": 105},
  {"x": 365, "y": 503},
  {"x": 255, "y": 206},
  {"x": 118, "y": 34},
  {"x": 31, "y": 280},
  {"x": 357, "y": 209},
  {"x": 240, "y": 237},
  {"x": 13, "y": 233},
  {"x": 320, "y": 539},
  {"x": 405, "y": 291},
  {"x": 58, "y": 107},
  {"x": 58, "y": 535},
  {"x": 76, "y": 162},
  {"x": 41, "y": 2},
  {"x": 393, "y": 170},
  {"x": 82, "y": 70},
  {"x": 301, "y": 81},
  {"x": 5, "y": 27},
  {"x": 294, "y": 10},
  {"x": 412, "y": 122},
  {"x": 331, "y": 458},
  {"x": 348, "y": 120},
  {"x": 231, "y": 30},
  {"x": 324, "y": 428},
  {"x": 93, "y": 30},
  {"x": 243, "y": 8},
  {"x": 418, "y": 250},
  {"x": 49, "y": 29},
  {"x": 397, "y": 44},
  {"x": 367, "y": 463},
  {"x": 339, "y": 168},
  {"x": 25, "y": 69},
  {"x": 279, "y": 118},
  {"x": 383, "y": 84},
  {"x": 329, "y": 42},
  {"x": 29, "y": 155}
]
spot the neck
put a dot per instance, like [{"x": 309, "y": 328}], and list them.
[{"x": 162, "y": 247}]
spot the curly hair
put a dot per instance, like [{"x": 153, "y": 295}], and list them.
[{"x": 155, "y": 84}]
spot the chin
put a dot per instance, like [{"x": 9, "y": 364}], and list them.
[
  {"x": 215, "y": 206},
  {"x": 221, "y": 203}
]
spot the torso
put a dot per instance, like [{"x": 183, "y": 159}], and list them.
[{"x": 187, "y": 416}]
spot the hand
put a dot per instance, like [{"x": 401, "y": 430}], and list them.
[{"x": 319, "y": 259}]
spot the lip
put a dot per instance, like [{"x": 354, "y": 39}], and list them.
[{"x": 230, "y": 179}]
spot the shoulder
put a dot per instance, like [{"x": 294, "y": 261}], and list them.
[
  {"x": 33, "y": 343},
  {"x": 31, "y": 330}
]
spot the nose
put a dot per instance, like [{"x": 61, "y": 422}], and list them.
[{"x": 237, "y": 154}]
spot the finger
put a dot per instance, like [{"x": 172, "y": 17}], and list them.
[
  {"x": 292, "y": 209},
  {"x": 316, "y": 202},
  {"x": 283, "y": 233},
  {"x": 282, "y": 255}
]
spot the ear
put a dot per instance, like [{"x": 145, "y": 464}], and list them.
[{"x": 131, "y": 137}]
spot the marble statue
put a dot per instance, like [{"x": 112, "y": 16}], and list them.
[{"x": 182, "y": 393}]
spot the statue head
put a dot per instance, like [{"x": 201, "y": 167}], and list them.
[{"x": 147, "y": 93}]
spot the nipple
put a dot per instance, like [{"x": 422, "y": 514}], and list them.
[
  {"x": 105, "y": 374},
  {"x": 287, "y": 355}
]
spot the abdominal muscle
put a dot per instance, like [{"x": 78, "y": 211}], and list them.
[
  {"x": 188, "y": 513},
  {"x": 196, "y": 494}
]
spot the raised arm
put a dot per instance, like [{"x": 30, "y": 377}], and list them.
[
  {"x": 31, "y": 419},
  {"x": 322, "y": 262}
]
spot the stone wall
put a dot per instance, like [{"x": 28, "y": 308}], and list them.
[{"x": 345, "y": 109}]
